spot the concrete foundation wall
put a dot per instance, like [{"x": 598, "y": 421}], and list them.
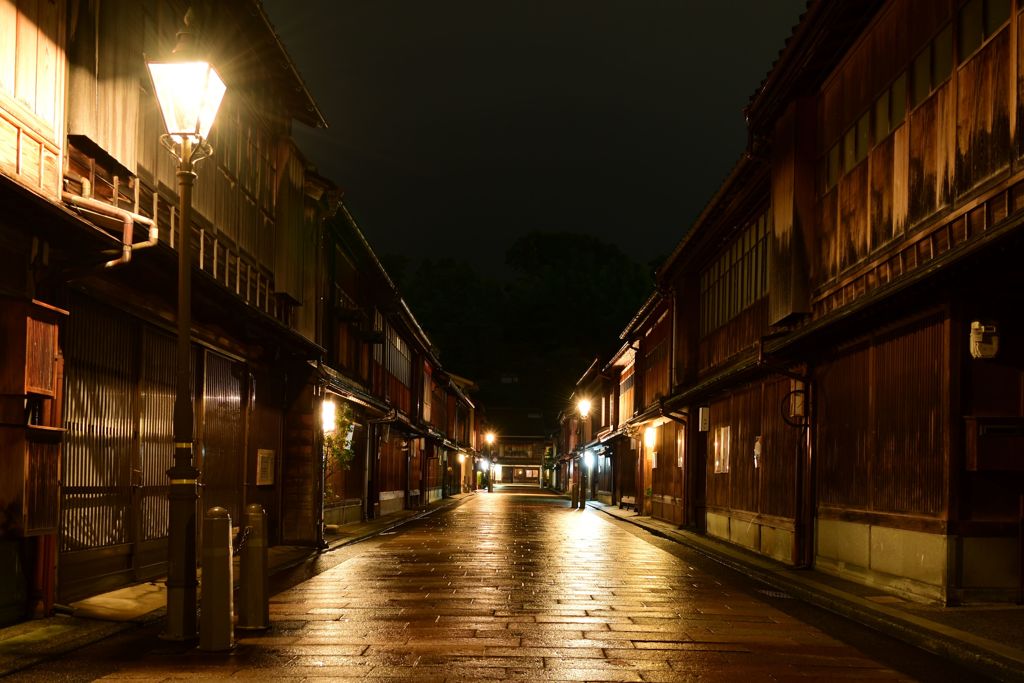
[
  {"x": 759, "y": 536},
  {"x": 346, "y": 513},
  {"x": 912, "y": 564},
  {"x": 391, "y": 502}
]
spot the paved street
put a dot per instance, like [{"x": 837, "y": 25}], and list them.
[{"x": 515, "y": 586}]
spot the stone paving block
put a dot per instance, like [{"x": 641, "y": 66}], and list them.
[{"x": 502, "y": 589}]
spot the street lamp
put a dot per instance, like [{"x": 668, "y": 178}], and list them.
[
  {"x": 489, "y": 438},
  {"x": 584, "y": 407},
  {"x": 189, "y": 92}
]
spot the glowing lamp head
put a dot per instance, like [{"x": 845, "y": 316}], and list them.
[
  {"x": 189, "y": 94},
  {"x": 329, "y": 415},
  {"x": 489, "y": 438},
  {"x": 462, "y": 457},
  {"x": 588, "y": 458},
  {"x": 584, "y": 407},
  {"x": 188, "y": 89}
]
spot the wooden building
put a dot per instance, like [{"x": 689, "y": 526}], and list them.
[
  {"x": 89, "y": 270},
  {"x": 289, "y": 307},
  {"x": 521, "y": 444},
  {"x": 847, "y": 357}
]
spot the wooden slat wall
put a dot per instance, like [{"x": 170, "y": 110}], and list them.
[
  {"x": 655, "y": 349},
  {"x": 738, "y": 334},
  {"x": 288, "y": 266},
  {"x": 158, "y": 386},
  {"x": 954, "y": 142},
  {"x": 223, "y": 435},
  {"x": 719, "y": 489},
  {"x": 106, "y": 67},
  {"x": 898, "y": 33},
  {"x": 32, "y": 76},
  {"x": 391, "y": 475},
  {"x": 843, "y": 423},
  {"x": 300, "y": 465},
  {"x": 753, "y": 411},
  {"x": 853, "y": 216},
  {"x": 881, "y": 416},
  {"x": 100, "y": 416},
  {"x": 983, "y": 113},
  {"x": 667, "y": 477},
  {"x": 931, "y": 154},
  {"x": 780, "y": 447}
]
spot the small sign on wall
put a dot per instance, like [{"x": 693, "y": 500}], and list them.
[{"x": 265, "y": 467}]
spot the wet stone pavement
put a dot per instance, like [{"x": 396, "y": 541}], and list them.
[{"x": 515, "y": 586}]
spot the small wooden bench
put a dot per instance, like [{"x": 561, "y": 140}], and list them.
[{"x": 627, "y": 503}]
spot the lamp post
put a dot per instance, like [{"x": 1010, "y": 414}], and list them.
[
  {"x": 584, "y": 407},
  {"x": 189, "y": 91},
  {"x": 489, "y": 438}
]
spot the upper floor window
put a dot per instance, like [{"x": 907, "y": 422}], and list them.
[
  {"x": 931, "y": 67},
  {"x": 891, "y": 108},
  {"x": 979, "y": 20},
  {"x": 394, "y": 353},
  {"x": 928, "y": 70},
  {"x": 855, "y": 142},
  {"x": 738, "y": 278},
  {"x": 626, "y": 394}
]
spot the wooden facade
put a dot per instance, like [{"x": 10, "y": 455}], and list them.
[
  {"x": 824, "y": 402},
  {"x": 289, "y": 305}
]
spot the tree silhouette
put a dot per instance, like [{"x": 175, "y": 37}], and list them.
[{"x": 526, "y": 341}]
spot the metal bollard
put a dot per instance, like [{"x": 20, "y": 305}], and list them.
[
  {"x": 216, "y": 630},
  {"x": 254, "y": 601}
]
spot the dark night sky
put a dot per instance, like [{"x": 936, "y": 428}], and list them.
[{"x": 457, "y": 125}]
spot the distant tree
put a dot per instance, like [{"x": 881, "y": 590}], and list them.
[
  {"x": 526, "y": 341},
  {"x": 459, "y": 311},
  {"x": 570, "y": 297},
  {"x": 572, "y": 290}
]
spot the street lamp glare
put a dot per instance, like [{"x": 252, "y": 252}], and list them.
[
  {"x": 650, "y": 437},
  {"x": 328, "y": 415},
  {"x": 489, "y": 438},
  {"x": 189, "y": 94},
  {"x": 188, "y": 89},
  {"x": 584, "y": 407}
]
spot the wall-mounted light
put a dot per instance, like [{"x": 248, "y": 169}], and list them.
[
  {"x": 650, "y": 437},
  {"x": 328, "y": 415},
  {"x": 588, "y": 459}
]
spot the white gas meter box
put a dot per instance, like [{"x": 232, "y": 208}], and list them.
[{"x": 984, "y": 340}]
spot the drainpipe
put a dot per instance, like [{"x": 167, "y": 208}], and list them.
[{"x": 128, "y": 220}]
